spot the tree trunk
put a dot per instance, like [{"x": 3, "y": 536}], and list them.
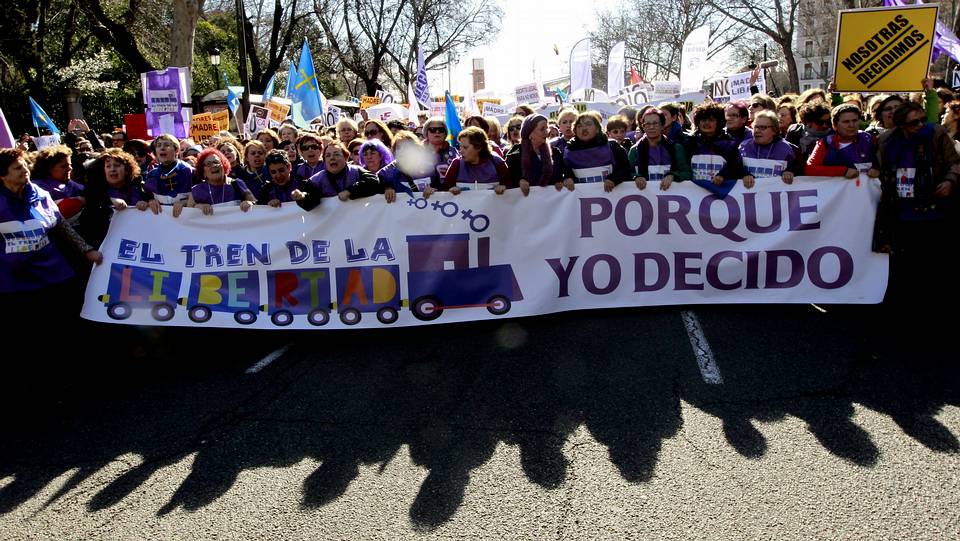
[
  {"x": 791, "y": 66},
  {"x": 185, "y": 15}
]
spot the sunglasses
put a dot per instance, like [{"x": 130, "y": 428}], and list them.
[
  {"x": 437, "y": 129},
  {"x": 755, "y": 105},
  {"x": 310, "y": 147},
  {"x": 371, "y": 133},
  {"x": 822, "y": 122},
  {"x": 915, "y": 123},
  {"x": 513, "y": 128}
]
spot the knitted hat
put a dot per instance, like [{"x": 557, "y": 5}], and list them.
[{"x": 529, "y": 123}]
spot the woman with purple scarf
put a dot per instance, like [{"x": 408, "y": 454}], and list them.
[
  {"x": 591, "y": 157},
  {"x": 655, "y": 158},
  {"x": 767, "y": 154},
  {"x": 534, "y": 162}
]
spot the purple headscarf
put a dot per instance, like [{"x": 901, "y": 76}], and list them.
[{"x": 527, "y": 150}]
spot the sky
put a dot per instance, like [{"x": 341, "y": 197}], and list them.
[{"x": 525, "y": 42}]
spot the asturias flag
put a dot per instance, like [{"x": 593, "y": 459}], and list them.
[
  {"x": 453, "y": 120},
  {"x": 40, "y": 118},
  {"x": 305, "y": 95}
]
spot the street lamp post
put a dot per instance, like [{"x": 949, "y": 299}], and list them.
[{"x": 215, "y": 62}]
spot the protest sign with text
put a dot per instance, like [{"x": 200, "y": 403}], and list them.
[
  {"x": 884, "y": 49},
  {"x": 369, "y": 264}
]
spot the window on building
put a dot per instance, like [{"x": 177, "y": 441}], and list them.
[
  {"x": 808, "y": 48},
  {"x": 806, "y": 87},
  {"x": 824, "y": 69},
  {"x": 808, "y": 71}
]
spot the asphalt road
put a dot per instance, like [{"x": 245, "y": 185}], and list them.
[{"x": 584, "y": 425}]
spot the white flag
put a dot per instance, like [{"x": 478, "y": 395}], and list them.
[
  {"x": 414, "y": 109},
  {"x": 581, "y": 74},
  {"x": 693, "y": 60},
  {"x": 616, "y": 67}
]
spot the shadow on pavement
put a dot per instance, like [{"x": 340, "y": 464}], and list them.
[{"x": 451, "y": 394}]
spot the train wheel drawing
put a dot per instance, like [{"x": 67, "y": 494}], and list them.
[
  {"x": 387, "y": 315},
  {"x": 245, "y": 317},
  {"x": 282, "y": 318},
  {"x": 200, "y": 314},
  {"x": 318, "y": 318},
  {"x": 350, "y": 316},
  {"x": 162, "y": 312},
  {"x": 427, "y": 308},
  {"x": 498, "y": 305},
  {"x": 119, "y": 311}
]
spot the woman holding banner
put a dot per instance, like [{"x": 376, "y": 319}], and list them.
[
  {"x": 114, "y": 184},
  {"x": 477, "y": 168},
  {"x": 655, "y": 158},
  {"x": 846, "y": 153},
  {"x": 215, "y": 187},
  {"x": 279, "y": 189},
  {"x": 435, "y": 129},
  {"x": 767, "y": 154},
  {"x": 714, "y": 156},
  {"x": 591, "y": 157},
  {"x": 171, "y": 180},
  {"x": 412, "y": 162},
  {"x": 339, "y": 179},
  {"x": 534, "y": 162}
]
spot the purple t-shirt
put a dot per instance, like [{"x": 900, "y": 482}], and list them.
[
  {"x": 232, "y": 190},
  {"x": 60, "y": 190},
  {"x": 29, "y": 260}
]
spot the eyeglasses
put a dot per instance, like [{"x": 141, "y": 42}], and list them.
[
  {"x": 890, "y": 108},
  {"x": 762, "y": 127},
  {"x": 310, "y": 147},
  {"x": 371, "y": 133},
  {"x": 437, "y": 129},
  {"x": 651, "y": 124}
]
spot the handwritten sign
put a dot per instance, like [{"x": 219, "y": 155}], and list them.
[
  {"x": 203, "y": 127},
  {"x": 368, "y": 101},
  {"x": 278, "y": 111}
]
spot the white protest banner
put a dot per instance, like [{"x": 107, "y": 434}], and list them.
[
  {"x": 369, "y": 264},
  {"x": 616, "y": 68},
  {"x": 693, "y": 59},
  {"x": 581, "y": 66},
  {"x": 589, "y": 95},
  {"x": 385, "y": 97},
  {"x": 738, "y": 85},
  {"x": 45, "y": 141},
  {"x": 665, "y": 90},
  {"x": 634, "y": 94},
  {"x": 387, "y": 112},
  {"x": 493, "y": 109},
  {"x": 528, "y": 93},
  {"x": 333, "y": 115},
  {"x": 257, "y": 119}
]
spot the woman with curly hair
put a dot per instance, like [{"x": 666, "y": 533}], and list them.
[
  {"x": 51, "y": 171},
  {"x": 114, "y": 184},
  {"x": 215, "y": 187}
]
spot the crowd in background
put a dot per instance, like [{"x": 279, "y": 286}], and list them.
[{"x": 908, "y": 142}]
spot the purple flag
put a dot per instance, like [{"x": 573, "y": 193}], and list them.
[
  {"x": 944, "y": 41},
  {"x": 6, "y": 136}
]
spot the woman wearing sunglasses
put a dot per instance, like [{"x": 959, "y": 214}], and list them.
[
  {"x": 814, "y": 125},
  {"x": 311, "y": 150},
  {"x": 513, "y": 131},
  {"x": 376, "y": 129},
  {"x": 435, "y": 130},
  {"x": 848, "y": 152}
]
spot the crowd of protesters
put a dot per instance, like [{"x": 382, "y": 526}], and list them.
[{"x": 909, "y": 142}]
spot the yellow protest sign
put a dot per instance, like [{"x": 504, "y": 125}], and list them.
[
  {"x": 368, "y": 101},
  {"x": 203, "y": 127},
  {"x": 884, "y": 49},
  {"x": 278, "y": 111},
  {"x": 481, "y": 101},
  {"x": 222, "y": 118}
]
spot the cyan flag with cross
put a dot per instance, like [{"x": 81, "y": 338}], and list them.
[{"x": 305, "y": 94}]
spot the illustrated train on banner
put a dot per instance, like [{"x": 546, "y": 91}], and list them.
[
  {"x": 479, "y": 255},
  {"x": 306, "y": 292}
]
